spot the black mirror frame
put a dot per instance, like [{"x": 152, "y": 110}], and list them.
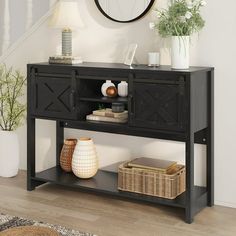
[{"x": 137, "y": 18}]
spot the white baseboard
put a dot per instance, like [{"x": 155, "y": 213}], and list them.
[{"x": 225, "y": 204}]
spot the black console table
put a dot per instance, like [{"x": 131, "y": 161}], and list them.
[{"x": 162, "y": 103}]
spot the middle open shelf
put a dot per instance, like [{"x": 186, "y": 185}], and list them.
[{"x": 102, "y": 99}]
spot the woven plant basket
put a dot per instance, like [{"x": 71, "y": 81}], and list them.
[{"x": 151, "y": 182}]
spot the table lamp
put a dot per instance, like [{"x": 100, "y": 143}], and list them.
[{"x": 66, "y": 17}]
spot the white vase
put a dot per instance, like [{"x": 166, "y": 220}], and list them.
[
  {"x": 9, "y": 154},
  {"x": 123, "y": 89},
  {"x": 85, "y": 160},
  {"x": 180, "y": 52},
  {"x": 105, "y": 86}
]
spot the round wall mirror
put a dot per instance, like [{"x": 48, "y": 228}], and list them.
[{"x": 124, "y": 10}]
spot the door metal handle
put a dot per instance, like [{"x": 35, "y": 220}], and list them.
[
  {"x": 72, "y": 100},
  {"x": 131, "y": 104}
]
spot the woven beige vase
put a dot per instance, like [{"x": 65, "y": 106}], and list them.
[
  {"x": 85, "y": 160},
  {"x": 29, "y": 231}
]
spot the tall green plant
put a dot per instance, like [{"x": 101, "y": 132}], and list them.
[
  {"x": 12, "y": 110},
  {"x": 181, "y": 18}
]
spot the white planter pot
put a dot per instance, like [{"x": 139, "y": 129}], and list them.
[
  {"x": 85, "y": 160},
  {"x": 180, "y": 52},
  {"x": 105, "y": 86},
  {"x": 9, "y": 154}
]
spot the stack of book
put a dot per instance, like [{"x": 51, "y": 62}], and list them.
[
  {"x": 163, "y": 166},
  {"x": 106, "y": 115},
  {"x": 70, "y": 60}
]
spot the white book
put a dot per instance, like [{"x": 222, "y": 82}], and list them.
[
  {"x": 65, "y": 60},
  {"x": 92, "y": 117},
  {"x": 108, "y": 113}
]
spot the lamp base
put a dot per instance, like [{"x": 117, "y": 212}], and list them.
[{"x": 70, "y": 60}]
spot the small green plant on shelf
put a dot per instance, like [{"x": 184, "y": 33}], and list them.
[
  {"x": 101, "y": 106},
  {"x": 12, "y": 109}
]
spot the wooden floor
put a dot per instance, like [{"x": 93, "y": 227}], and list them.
[{"x": 108, "y": 217}]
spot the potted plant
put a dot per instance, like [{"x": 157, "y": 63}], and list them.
[
  {"x": 179, "y": 21},
  {"x": 12, "y": 113}
]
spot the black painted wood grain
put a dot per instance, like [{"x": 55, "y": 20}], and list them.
[{"x": 162, "y": 103}]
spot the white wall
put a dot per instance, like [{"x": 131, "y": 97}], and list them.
[
  {"x": 104, "y": 40},
  {"x": 18, "y": 16}
]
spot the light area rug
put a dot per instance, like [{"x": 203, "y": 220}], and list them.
[{"x": 8, "y": 222}]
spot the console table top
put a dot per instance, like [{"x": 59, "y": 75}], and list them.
[{"x": 120, "y": 66}]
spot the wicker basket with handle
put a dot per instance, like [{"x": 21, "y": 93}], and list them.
[{"x": 151, "y": 182}]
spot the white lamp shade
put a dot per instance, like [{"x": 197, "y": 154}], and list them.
[{"x": 66, "y": 15}]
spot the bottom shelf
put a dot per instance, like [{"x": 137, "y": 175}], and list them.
[{"x": 107, "y": 182}]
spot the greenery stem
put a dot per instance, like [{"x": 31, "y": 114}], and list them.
[{"x": 12, "y": 110}]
